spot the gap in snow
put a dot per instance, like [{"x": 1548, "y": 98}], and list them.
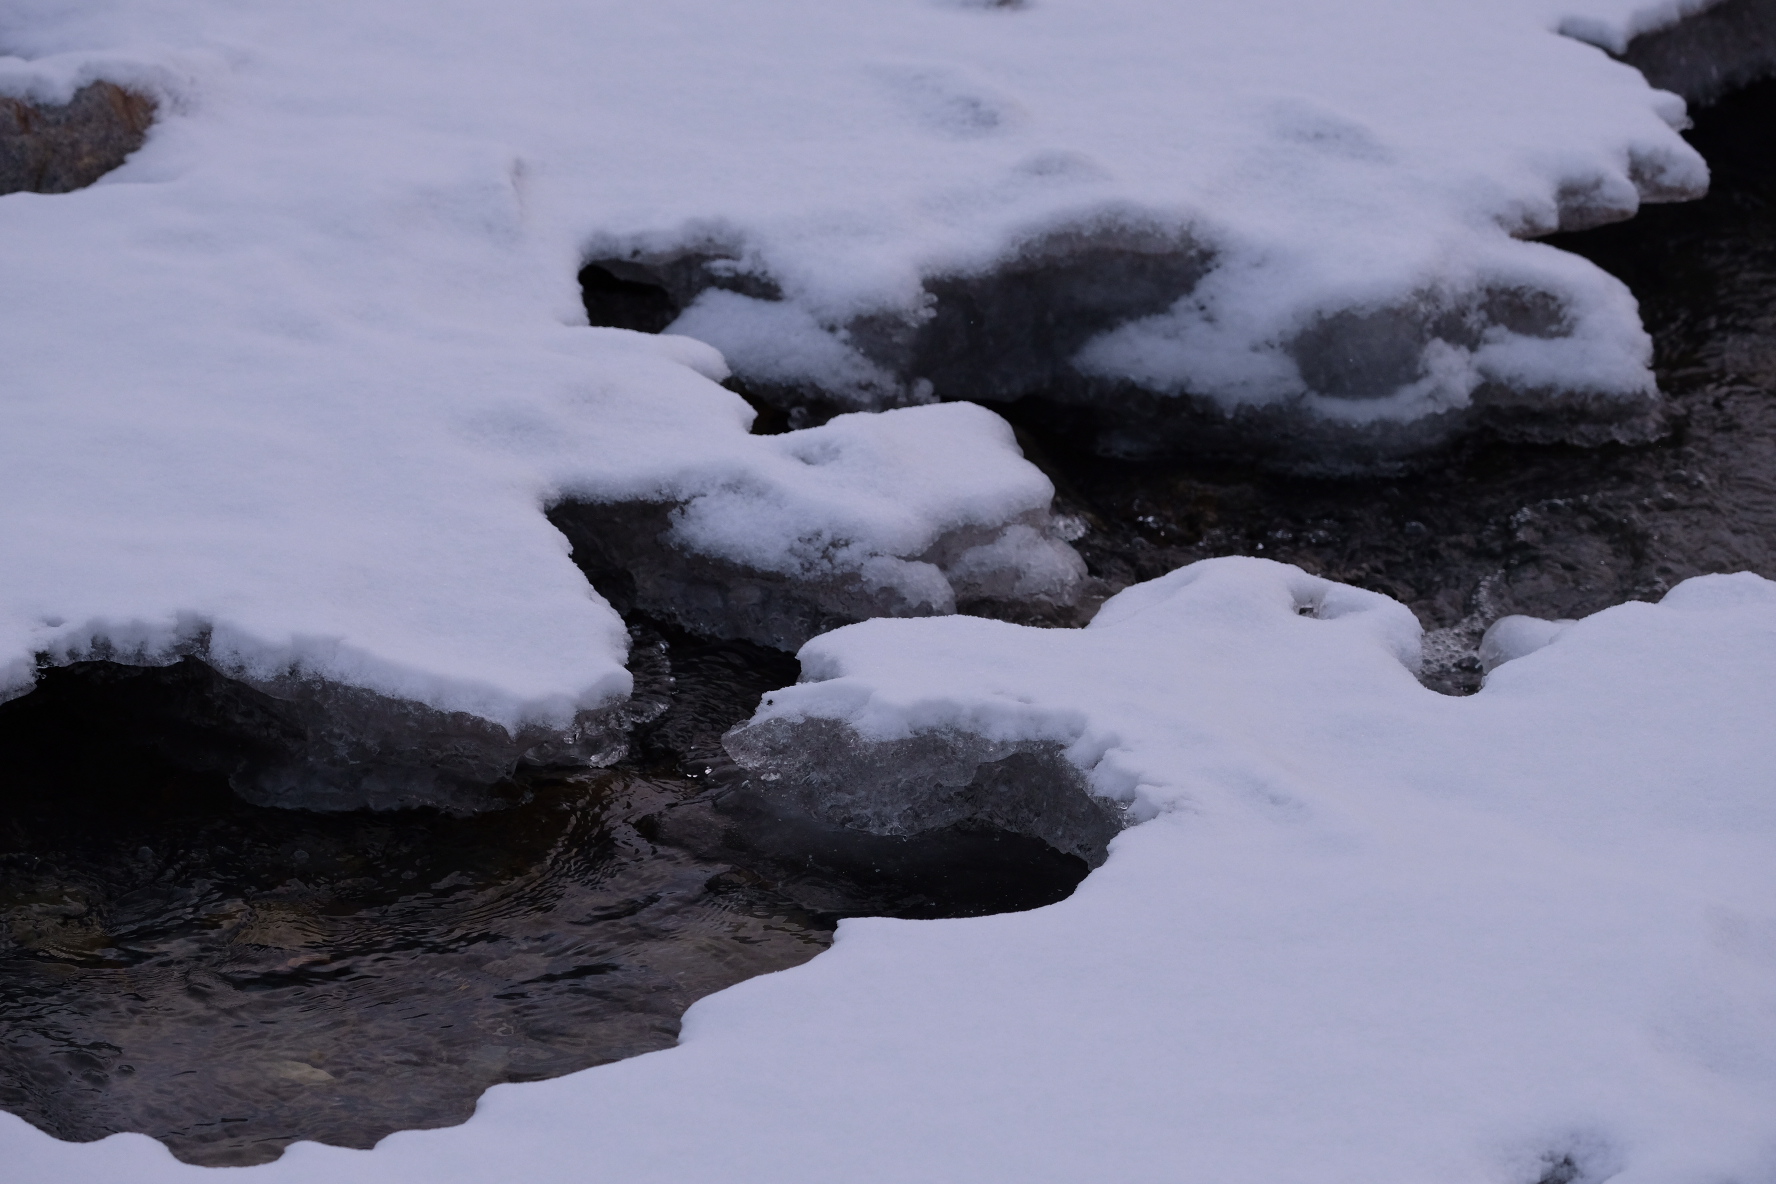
[{"x": 229, "y": 977}]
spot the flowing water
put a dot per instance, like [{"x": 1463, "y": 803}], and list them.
[{"x": 231, "y": 978}]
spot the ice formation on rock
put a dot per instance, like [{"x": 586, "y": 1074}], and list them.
[{"x": 1359, "y": 931}]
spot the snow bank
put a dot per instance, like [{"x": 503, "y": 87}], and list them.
[
  {"x": 1365, "y": 932},
  {"x": 290, "y": 390},
  {"x": 1305, "y": 213}
]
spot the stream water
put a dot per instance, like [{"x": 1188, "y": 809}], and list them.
[{"x": 229, "y": 978}]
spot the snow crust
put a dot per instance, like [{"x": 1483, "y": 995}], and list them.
[{"x": 1365, "y": 932}]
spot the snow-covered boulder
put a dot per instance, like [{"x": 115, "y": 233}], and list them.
[
  {"x": 1357, "y": 930},
  {"x": 1292, "y": 226},
  {"x": 290, "y": 392}
]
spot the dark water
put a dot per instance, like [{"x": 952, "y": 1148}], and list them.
[
  {"x": 230, "y": 978},
  {"x": 1492, "y": 528}
]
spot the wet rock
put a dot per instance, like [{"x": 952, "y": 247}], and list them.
[
  {"x": 824, "y": 770},
  {"x": 47, "y": 148}
]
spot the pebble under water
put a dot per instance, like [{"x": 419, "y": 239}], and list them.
[{"x": 230, "y": 978}]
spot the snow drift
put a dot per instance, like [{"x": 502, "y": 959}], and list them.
[{"x": 1358, "y": 930}]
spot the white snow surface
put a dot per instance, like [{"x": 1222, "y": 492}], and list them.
[
  {"x": 1363, "y": 932},
  {"x": 296, "y": 378}
]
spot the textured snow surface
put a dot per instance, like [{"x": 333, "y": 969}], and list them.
[
  {"x": 290, "y": 385},
  {"x": 1365, "y": 932},
  {"x": 291, "y": 388}
]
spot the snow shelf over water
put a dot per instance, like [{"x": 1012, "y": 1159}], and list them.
[
  {"x": 1360, "y": 931},
  {"x": 290, "y": 386}
]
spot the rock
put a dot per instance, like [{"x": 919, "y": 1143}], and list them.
[
  {"x": 825, "y": 770},
  {"x": 308, "y": 744},
  {"x": 1019, "y": 568},
  {"x": 57, "y": 149}
]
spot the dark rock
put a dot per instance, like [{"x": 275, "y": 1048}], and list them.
[
  {"x": 311, "y": 744},
  {"x": 824, "y": 770},
  {"x": 57, "y": 149},
  {"x": 625, "y": 551},
  {"x": 1722, "y": 48}
]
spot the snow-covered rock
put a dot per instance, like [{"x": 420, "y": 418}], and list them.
[
  {"x": 290, "y": 391},
  {"x": 1359, "y": 930}
]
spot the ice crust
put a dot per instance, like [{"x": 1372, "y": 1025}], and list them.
[{"x": 1362, "y": 932}]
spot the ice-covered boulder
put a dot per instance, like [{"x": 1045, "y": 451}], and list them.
[{"x": 1357, "y": 930}]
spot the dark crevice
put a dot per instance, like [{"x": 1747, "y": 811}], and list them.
[{"x": 626, "y": 301}]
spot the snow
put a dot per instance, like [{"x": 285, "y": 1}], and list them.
[
  {"x": 1364, "y": 931},
  {"x": 296, "y": 378},
  {"x": 292, "y": 387}
]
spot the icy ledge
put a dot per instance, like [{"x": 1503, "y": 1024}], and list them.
[{"x": 1366, "y": 932}]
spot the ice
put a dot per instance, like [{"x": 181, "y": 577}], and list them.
[{"x": 1357, "y": 930}]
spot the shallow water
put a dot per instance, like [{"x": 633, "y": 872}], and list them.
[
  {"x": 231, "y": 978},
  {"x": 1496, "y": 528}
]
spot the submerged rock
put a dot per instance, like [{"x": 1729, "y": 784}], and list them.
[{"x": 825, "y": 770}]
